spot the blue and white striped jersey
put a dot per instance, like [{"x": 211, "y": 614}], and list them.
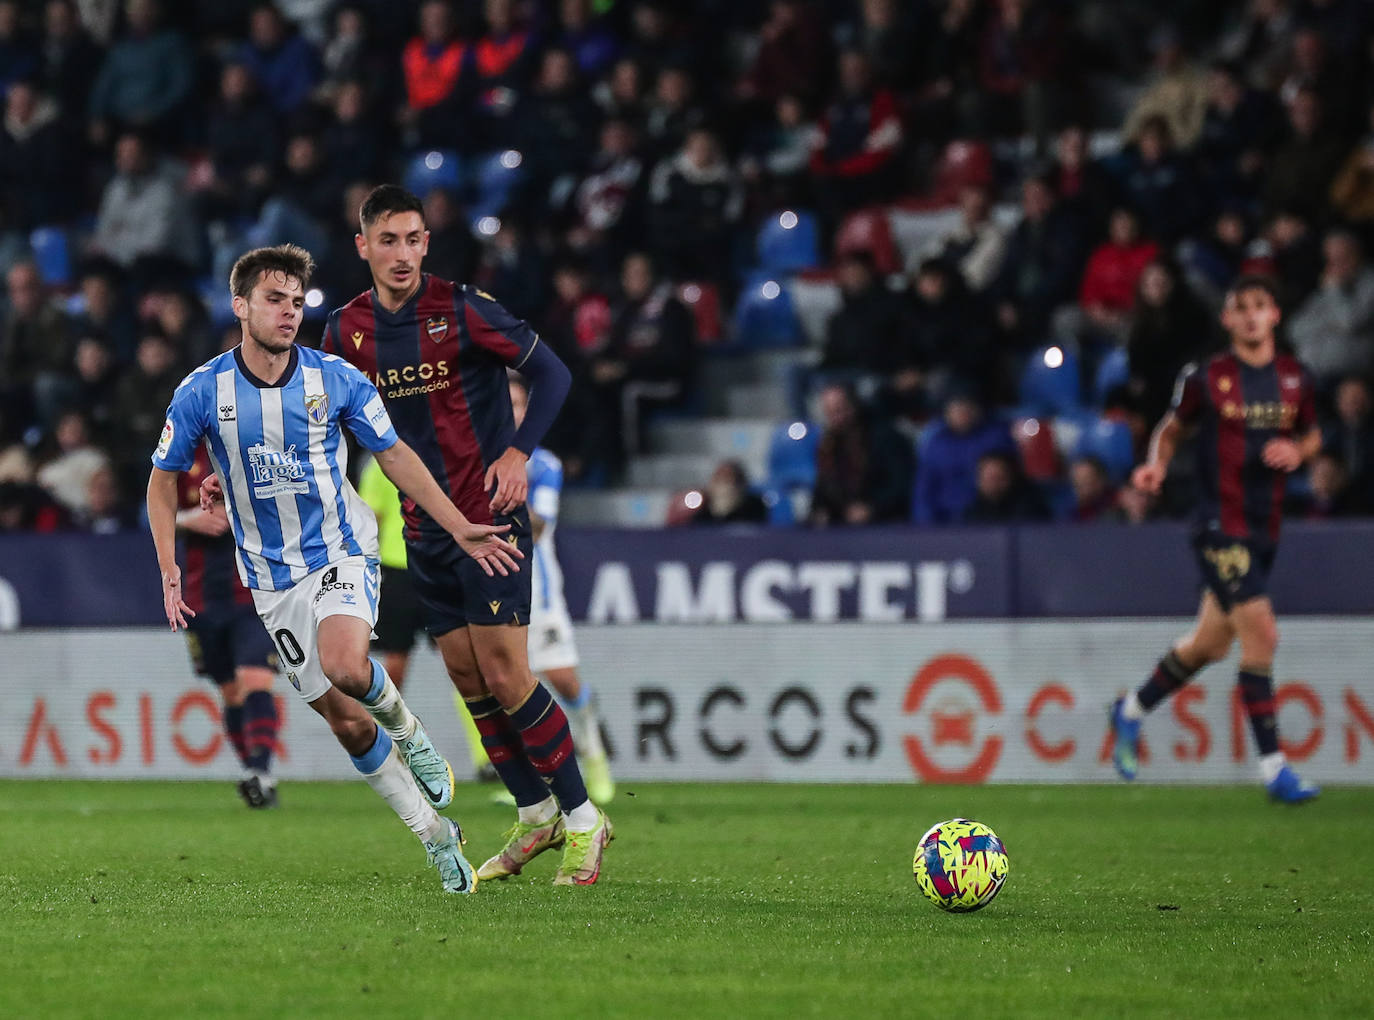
[
  {"x": 279, "y": 452},
  {"x": 545, "y": 473}
]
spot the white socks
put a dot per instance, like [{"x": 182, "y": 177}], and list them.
[
  {"x": 583, "y": 818},
  {"x": 1270, "y": 765},
  {"x": 387, "y": 707},
  {"x": 1131, "y": 707},
  {"x": 538, "y": 814},
  {"x": 395, "y": 785},
  {"x": 586, "y": 731}
]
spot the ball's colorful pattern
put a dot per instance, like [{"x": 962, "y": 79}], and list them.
[{"x": 960, "y": 865}]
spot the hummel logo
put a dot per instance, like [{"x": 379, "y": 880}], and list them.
[
  {"x": 226, "y": 412},
  {"x": 495, "y": 607}
]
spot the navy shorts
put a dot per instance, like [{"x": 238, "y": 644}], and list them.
[
  {"x": 453, "y": 591},
  {"x": 399, "y": 615},
  {"x": 1235, "y": 570},
  {"x": 222, "y": 640}
]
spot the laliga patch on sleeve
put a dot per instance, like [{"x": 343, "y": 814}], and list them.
[
  {"x": 376, "y": 415},
  {"x": 165, "y": 443}
]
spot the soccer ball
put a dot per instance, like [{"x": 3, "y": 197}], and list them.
[{"x": 960, "y": 865}]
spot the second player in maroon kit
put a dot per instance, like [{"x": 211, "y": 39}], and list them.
[
  {"x": 1254, "y": 417},
  {"x": 439, "y": 353}
]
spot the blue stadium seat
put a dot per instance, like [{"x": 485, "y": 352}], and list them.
[
  {"x": 765, "y": 317},
  {"x": 1113, "y": 370},
  {"x": 219, "y": 303},
  {"x": 779, "y": 504},
  {"x": 53, "y": 255},
  {"x": 434, "y": 169},
  {"x": 789, "y": 241},
  {"x": 1110, "y": 442},
  {"x": 1050, "y": 383},
  {"x": 792, "y": 456}
]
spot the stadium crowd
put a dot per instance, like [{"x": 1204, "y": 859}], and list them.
[{"x": 646, "y": 180}]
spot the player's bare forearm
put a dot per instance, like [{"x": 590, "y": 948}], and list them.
[
  {"x": 162, "y": 516},
  {"x": 1164, "y": 442},
  {"x": 405, "y": 468},
  {"x": 1310, "y": 445}
]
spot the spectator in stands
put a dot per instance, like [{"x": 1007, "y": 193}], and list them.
[
  {"x": 728, "y": 499},
  {"x": 105, "y": 511},
  {"x": 1259, "y": 38},
  {"x": 1108, "y": 289},
  {"x": 1083, "y": 187},
  {"x": 607, "y": 203},
  {"x": 67, "y": 61},
  {"x": 1302, "y": 169},
  {"x": 950, "y": 337},
  {"x": 145, "y": 79},
  {"x": 1331, "y": 494},
  {"x": 1333, "y": 331},
  {"x": 1352, "y": 192},
  {"x": 1177, "y": 92},
  {"x": 793, "y": 57},
  {"x": 17, "y": 60},
  {"x": 869, "y": 333},
  {"x": 25, "y": 505},
  {"x": 241, "y": 142},
  {"x": 1209, "y": 263},
  {"x": 104, "y": 313},
  {"x": 946, "y": 473},
  {"x": 671, "y": 113},
  {"x": 593, "y": 46},
  {"x": 695, "y": 200},
  {"x": 577, "y": 326},
  {"x": 888, "y": 32},
  {"x": 141, "y": 398},
  {"x": 1002, "y": 493},
  {"x": 433, "y": 64},
  {"x": 863, "y": 465},
  {"x": 946, "y": 59},
  {"x": 978, "y": 244},
  {"x": 1240, "y": 125},
  {"x": 181, "y": 320},
  {"x": 285, "y": 66},
  {"x": 512, "y": 267},
  {"x": 1290, "y": 251},
  {"x": 621, "y": 94},
  {"x": 1133, "y": 506},
  {"x": 67, "y": 476},
  {"x": 777, "y": 155},
  {"x": 648, "y": 361},
  {"x": 353, "y": 142},
  {"x": 655, "y": 39},
  {"x": 1160, "y": 184},
  {"x": 557, "y": 126},
  {"x": 1168, "y": 329},
  {"x": 1094, "y": 499},
  {"x": 353, "y": 54},
  {"x": 95, "y": 378},
  {"x": 502, "y": 63},
  {"x": 35, "y": 346},
  {"x": 144, "y": 212},
  {"x": 1310, "y": 66},
  {"x": 1044, "y": 254},
  {"x": 342, "y": 274},
  {"x": 855, "y": 162},
  {"x": 37, "y": 161},
  {"x": 1348, "y": 434},
  {"x": 451, "y": 253},
  {"x": 1021, "y": 65}
]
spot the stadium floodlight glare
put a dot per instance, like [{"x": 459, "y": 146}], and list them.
[
  {"x": 434, "y": 160},
  {"x": 787, "y": 220},
  {"x": 770, "y": 290},
  {"x": 1030, "y": 427},
  {"x": 797, "y": 430},
  {"x": 691, "y": 293},
  {"x": 511, "y": 159},
  {"x": 1054, "y": 357},
  {"x": 314, "y": 297},
  {"x": 487, "y": 226},
  {"x": 692, "y": 500}
]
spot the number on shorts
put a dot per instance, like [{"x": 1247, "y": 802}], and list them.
[{"x": 290, "y": 647}]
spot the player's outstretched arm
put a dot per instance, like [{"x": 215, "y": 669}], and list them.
[
  {"x": 480, "y": 541},
  {"x": 162, "y": 518},
  {"x": 1163, "y": 443}
]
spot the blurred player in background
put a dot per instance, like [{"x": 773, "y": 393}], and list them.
[
  {"x": 1254, "y": 412},
  {"x": 553, "y": 652},
  {"x": 439, "y": 352},
  {"x": 227, "y": 642},
  {"x": 273, "y": 415}
]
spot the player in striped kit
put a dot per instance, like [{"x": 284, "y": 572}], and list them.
[{"x": 272, "y": 416}]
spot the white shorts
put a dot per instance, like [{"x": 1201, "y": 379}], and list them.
[
  {"x": 551, "y": 641},
  {"x": 346, "y": 588}
]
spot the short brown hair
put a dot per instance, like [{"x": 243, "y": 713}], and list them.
[
  {"x": 386, "y": 200},
  {"x": 289, "y": 259},
  {"x": 1255, "y": 281}
]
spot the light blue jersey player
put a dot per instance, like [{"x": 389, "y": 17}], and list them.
[
  {"x": 272, "y": 416},
  {"x": 552, "y": 649}
]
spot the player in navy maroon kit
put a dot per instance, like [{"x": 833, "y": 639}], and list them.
[
  {"x": 227, "y": 641},
  {"x": 1252, "y": 408},
  {"x": 438, "y": 352}
]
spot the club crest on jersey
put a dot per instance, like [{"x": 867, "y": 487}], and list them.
[
  {"x": 317, "y": 408},
  {"x": 437, "y": 327}
]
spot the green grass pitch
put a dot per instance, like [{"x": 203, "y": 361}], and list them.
[{"x": 159, "y": 899}]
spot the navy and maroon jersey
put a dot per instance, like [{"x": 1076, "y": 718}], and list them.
[
  {"x": 209, "y": 575},
  {"x": 440, "y": 363},
  {"x": 1237, "y": 409}
]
